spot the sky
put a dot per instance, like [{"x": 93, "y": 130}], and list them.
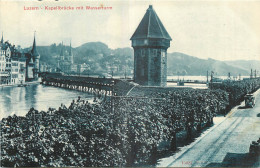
[{"x": 222, "y": 30}]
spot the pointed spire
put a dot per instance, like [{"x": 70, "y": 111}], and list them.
[
  {"x": 70, "y": 51},
  {"x": 61, "y": 51},
  {"x": 2, "y": 40},
  {"x": 34, "y": 49},
  {"x": 71, "y": 55}
]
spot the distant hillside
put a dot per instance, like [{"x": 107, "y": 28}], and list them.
[
  {"x": 182, "y": 64},
  {"x": 102, "y": 59},
  {"x": 97, "y": 55},
  {"x": 246, "y": 65}
]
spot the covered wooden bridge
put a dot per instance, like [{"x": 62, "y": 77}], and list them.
[{"x": 99, "y": 86}]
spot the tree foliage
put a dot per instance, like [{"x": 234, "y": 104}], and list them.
[{"x": 119, "y": 131}]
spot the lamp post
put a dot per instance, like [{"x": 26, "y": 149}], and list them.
[
  {"x": 207, "y": 77},
  {"x": 211, "y": 80},
  {"x": 112, "y": 93},
  {"x": 112, "y": 102}
]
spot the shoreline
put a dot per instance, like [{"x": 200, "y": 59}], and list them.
[
  {"x": 26, "y": 83},
  {"x": 21, "y": 109}
]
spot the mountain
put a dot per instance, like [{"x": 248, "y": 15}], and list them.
[
  {"x": 183, "y": 64},
  {"x": 102, "y": 59},
  {"x": 245, "y": 64}
]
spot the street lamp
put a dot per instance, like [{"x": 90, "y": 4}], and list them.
[{"x": 112, "y": 94}]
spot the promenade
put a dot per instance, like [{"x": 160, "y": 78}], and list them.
[{"x": 225, "y": 144}]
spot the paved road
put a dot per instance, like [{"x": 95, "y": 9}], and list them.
[{"x": 224, "y": 145}]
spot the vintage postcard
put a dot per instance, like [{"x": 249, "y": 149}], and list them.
[{"x": 129, "y": 83}]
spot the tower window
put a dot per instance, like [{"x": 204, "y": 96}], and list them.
[
  {"x": 163, "y": 57},
  {"x": 163, "y": 54}
]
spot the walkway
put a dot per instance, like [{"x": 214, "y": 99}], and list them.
[{"x": 224, "y": 145}]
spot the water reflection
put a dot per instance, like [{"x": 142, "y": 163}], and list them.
[{"x": 18, "y": 100}]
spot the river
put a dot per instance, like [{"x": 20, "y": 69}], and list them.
[{"x": 18, "y": 100}]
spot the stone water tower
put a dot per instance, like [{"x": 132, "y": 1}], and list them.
[{"x": 150, "y": 42}]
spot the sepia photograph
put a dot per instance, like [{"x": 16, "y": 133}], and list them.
[{"x": 129, "y": 83}]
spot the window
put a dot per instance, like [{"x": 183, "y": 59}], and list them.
[
  {"x": 163, "y": 54},
  {"x": 163, "y": 57},
  {"x": 14, "y": 64},
  {"x": 145, "y": 41}
]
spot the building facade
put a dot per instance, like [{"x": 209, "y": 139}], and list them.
[
  {"x": 150, "y": 42},
  {"x": 16, "y": 65}
]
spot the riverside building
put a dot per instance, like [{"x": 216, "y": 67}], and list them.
[{"x": 16, "y": 65}]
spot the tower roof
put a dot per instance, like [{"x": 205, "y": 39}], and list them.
[
  {"x": 150, "y": 27},
  {"x": 34, "y": 49},
  {"x": 2, "y": 40}
]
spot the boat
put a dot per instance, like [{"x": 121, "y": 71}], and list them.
[
  {"x": 180, "y": 83},
  {"x": 22, "y": 85}
]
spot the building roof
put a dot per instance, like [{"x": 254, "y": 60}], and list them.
[
  {"x": 150, "y": 27},
  {"x": 7, "y": 45},
  {"x": 34, "y": 51}
]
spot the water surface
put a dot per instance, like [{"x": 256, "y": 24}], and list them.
[{"x": 18, "y": 100}]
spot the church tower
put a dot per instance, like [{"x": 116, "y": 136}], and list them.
[
  {"x": 150, "y": 42},
  {"x": 62, "y": 52},
  {"x": 36, "y": 59},
  {"x": 2, "y": 39},
  {"x": 71, "y": 59}
]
